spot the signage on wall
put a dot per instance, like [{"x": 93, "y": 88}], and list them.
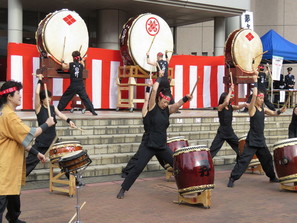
[{"x": 247, "y": 20}]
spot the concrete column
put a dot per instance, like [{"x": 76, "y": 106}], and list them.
[
  {"x": 15, "y": 21},
  {"x": 109, "y": 26},
  {"x": 219, "y": 36},
  {"x": 232, "y": 23}
]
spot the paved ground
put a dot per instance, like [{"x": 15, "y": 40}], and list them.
[{"x": 253, "y": 199}]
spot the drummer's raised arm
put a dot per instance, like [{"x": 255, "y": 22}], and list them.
[
  {"x": 149, "y": 61},
  {"x": 65, "y": 66}
]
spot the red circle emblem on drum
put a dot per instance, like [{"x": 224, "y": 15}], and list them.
[{"x": 152, "y": 26}]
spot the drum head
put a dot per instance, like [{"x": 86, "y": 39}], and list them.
[
  {"x": 62, "y": 33},
  {"x": 66, "y": 143},
  {"x": 285, "y": 142},
  {"x": 246, "y": 48},
  {"x": 149, "y": 32},
  {"x": 74, "y": 154}
]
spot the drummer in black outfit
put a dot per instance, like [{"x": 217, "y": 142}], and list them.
[
  {"x": 43, "y": 141},
  {"x": 225, "y": 131},
  {"x": 76, "y": 84},
  {"x": 156, "y": 142},
  {"x": 130, "y": 165},
  {"x": 162, "y": 70},
  {"x": 293, "y": 124},
  {"x": 262, "y": 86},
  {"x": 255, "y": 141}
]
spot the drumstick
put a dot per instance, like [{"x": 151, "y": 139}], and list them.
[
  {"x": 49, "y": 148},
  {"x": 76, "y": 213},
  {"x": 79, "y": 128},
  {"x": 63, "y": 48},
  {"x": 46, "y": 96},
  {"x": 151, "y": 43},
  {"x": 195, "y": 85},
  {"x": 80, "y": 48}
]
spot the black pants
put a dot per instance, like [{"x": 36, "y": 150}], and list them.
[
  {"x": 13, "y": 205},
  {"x": 292, "y": 131},
  {"x": 243, "y": 161},
  {"x": 32, "y": 160},
  {"x": 69, "y": 94},
  {"x": 144, "y": 156},
  {"x": 132, "y": 162},
  {"x": 218, "y": 142}
]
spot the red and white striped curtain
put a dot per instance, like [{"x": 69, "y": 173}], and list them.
[{"x": 102, "y": 64}]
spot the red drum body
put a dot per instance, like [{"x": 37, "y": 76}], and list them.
[
  {"x": 74, "y": 161},
  {"x": 146, "y": 32},
  {"x": 193, "y": 169},
  {"x": 241, "y": 144},
  {"x": 61, "y": 149},
  {"x": 242, "y": 47},
  {"x": 285, "y": 160},
  {"x": 60, "y": 33},
  {"x": 178, "y": 142}
]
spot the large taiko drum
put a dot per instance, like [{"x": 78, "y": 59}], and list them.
[
  {"x": 241, "y": 144},
  {"x": 285, "y": 160},
  {"x": 74, "y": 161},
  {"x": 61, "y": 149},
  {"x": 146, "y": 32},
  {"x": 177, "y": 142},
  {"x": 193, "y": 169},
  {"x": 243, "y": 48},
  {"x": 60, "y": 33}
]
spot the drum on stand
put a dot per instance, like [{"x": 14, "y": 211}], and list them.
[
  {"x": 74, "y": 161},
  {"x": 174, "y": 143},
  {"x": 243, "y": 48},
  {"x": 60, "y": 149},
  {"x": 60, "y": 33},
  {"x": 193, "y": 170},
  {"x": 146, "y": 32},
  {"x": 285, "y": 160}
]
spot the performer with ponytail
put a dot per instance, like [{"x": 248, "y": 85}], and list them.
[
  {"x": 43, "y": 142},
  {"x": 255, "y": 140},
  {"x": 76, "y": 84},
  {"x": 156, "y": 143}
]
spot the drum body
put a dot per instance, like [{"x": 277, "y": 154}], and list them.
[
  {"x": 243, "y": 48},
  {"x": 61, "y": 149},
  {"x": 193, "y": 169},
  {"x": 177, "y": 142},
  {"x": 60, "y": 33},
  {"x": 285, "y": 160},
  {"x": 146, "y": 32},
  {"x": 74, "y": 161},
  {"x": 241, "y": 144}
]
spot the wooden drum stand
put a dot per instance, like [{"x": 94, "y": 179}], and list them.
[
  {"x": 127, "y": 81},
  {"x": 56, "y": 179},
  {"x": 203, "y": 198}
]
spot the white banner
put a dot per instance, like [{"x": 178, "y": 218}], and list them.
[
  {"x": 277, "y": 63},
  {"x": 247, "y": 20}
]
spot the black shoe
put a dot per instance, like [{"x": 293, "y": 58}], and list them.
[
  {"x": 273, "y": 180},
  {"x": 18, "y": 221},
  {"x": 121, "y": 194},
  {"x": 80, "y": 184},
  {"x": 94, "y": 113},
  {"x": 231, "y": 182}
]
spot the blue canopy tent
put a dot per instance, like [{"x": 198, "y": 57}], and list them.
[{"x": 276, "y": 45}]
